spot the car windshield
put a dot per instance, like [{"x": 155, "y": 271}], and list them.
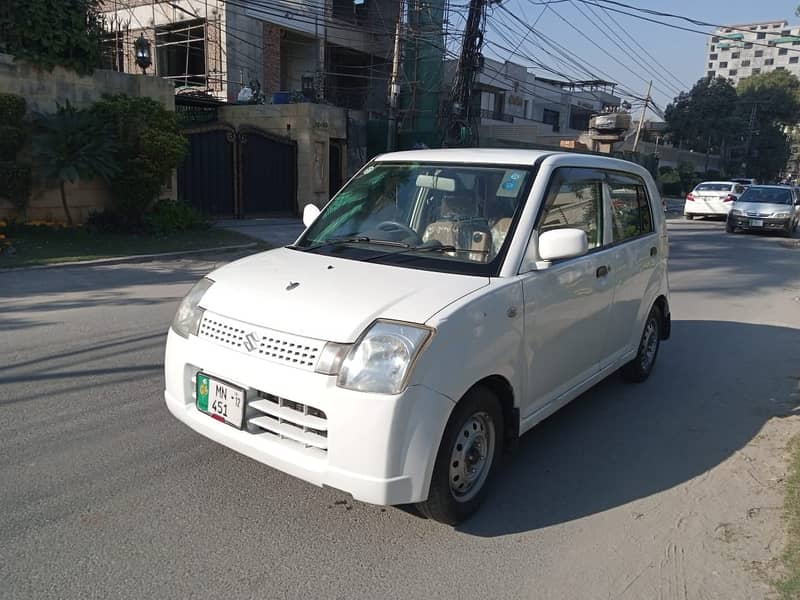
[
  {"x": 765, "y": 195},
  {"x": 445, "y": 217},
  {"x": 713, "y": 187}
]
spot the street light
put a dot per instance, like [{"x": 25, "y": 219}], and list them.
[{"x": 143, "y": 58}]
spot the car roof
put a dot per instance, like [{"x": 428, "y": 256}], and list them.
[
  {"x": 773, "y": 186},
  {"x": 716, "y": 182},
  {"x": 500, "y": 156}
]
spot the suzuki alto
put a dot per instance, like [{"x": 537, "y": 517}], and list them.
[{"x": 438, "y": 307}]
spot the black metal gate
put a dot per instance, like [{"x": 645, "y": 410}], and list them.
[
  {"x": 206, "y": 177},
  {"x": 246, "y": 173},
  {"x": 267, "y": 174}
]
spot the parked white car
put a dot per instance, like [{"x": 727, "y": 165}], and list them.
[
  {"x": 441, "y": 305},
  {"x": 712, "y": 199}
]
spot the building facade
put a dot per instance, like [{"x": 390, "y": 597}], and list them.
[
  {"x": 332, "y": 51},
  {"x": 739, "y": 51},
  {"x": 517, "y": 106}
]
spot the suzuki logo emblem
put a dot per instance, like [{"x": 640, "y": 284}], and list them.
[
  {"x": 251, "y": 341},
  {"x": 291, "y": 286}
]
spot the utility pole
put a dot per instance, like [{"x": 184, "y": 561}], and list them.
[
  {"x": 641, "y": 120},
  {"x": 459, "y": 118},
  {"x": 394, "y": 85},
  {"x": 750, "y": 130}
]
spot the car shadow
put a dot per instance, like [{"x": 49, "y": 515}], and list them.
[{"x": 714, "y": 387}]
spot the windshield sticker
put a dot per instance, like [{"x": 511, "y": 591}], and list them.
[
  {"x": 514, "y": 176},
  {"x": 509, "y": 185}
]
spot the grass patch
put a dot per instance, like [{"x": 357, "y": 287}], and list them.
[
  {"x": 48, "y": 245},
  {"x": 789, "y": 586}
]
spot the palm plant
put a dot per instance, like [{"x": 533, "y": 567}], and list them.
[{"x": 71, "y": 145}]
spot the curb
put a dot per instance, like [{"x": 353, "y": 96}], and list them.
[{"x": 118, "y": 260}]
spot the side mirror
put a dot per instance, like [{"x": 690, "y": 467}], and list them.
[
  {"x": 310, "y": 213},
  {"x": 563, "y": 243}
]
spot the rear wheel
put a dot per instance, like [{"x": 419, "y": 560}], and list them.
[
  {"x": 469, "y": 449},
  {"x": 688, "y": 217},
  {"x": 641, "y": 366}
]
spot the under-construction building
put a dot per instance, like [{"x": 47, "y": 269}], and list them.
[{"x": 336, "y": 51}]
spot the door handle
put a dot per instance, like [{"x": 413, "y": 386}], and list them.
[
  {"x": 602, "y": 271},
  {"x": 653, "y": 251}
]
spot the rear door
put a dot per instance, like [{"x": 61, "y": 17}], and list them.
[{"x": 635, "y": 245}]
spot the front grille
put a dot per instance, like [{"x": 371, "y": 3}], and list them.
[
  {"x": 268, "y": 344},
  {"x": 289, "y": 420}
]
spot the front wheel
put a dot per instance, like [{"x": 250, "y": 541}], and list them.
[
  {"x": 688, "y": 217},
  {"x": 465, "y": 462},
  {"x": 729, "y": 227},
  {"x": 641, "y": 366}
]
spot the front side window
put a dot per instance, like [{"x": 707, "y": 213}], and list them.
[
  {"x": 630, "y": 208},
  {"x": 575, "y": 200},
  {"x": 446, "y": 217}
]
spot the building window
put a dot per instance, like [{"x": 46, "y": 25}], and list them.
[
  {"x": 714, "y": 39},
  {"x": 711, "y": 74},
  {"x": 181, "y": 52},
  {"x": 713, "y": 57},
  {"x": 761, "y": 35},
  {"x": 710, "y": 65},
  {"x": 745, "y": 63},
  {"x": 732, "y": 72},
  {"x": 786, "y": 32},
  {"x": 713, "y": 47},
  {"x": 759, "y": 53},
  {"x": 551, "y": 117},
  {"x": 796, "y": 43},
  {"x": 756, "y": 71},
  {"x": 735, "y": 55},
  {"x": 793, "y": 60},
  {"x": 783, "y": 52},
  {"x": 780, "y": 68},
  {"x": 769, "y": 61},
  {"x": 723, "y": 64},
  {"x": 748, "y": 45}
]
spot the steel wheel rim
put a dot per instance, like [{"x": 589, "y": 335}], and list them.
[
  {"x": 472, "y": 456},
  {"x": 649, "y": 344}
]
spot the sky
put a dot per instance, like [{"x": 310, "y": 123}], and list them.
[{"x": 682, "y": 54}]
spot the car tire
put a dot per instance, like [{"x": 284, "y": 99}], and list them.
[
  {"x": 688, "y": 217},
  {"x": 474, "y": 434},
  {"x": 642, "y": 365},
  {"x": 729, "y": 227}
]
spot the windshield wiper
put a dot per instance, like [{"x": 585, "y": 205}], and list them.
[
  {"x": 356, "y": 239},
  {"x": 431, "y": 248}
]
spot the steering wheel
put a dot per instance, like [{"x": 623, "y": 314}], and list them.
[{"x": 395, "y": 227}]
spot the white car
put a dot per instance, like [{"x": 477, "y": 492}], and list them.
[
  {"x": 712, "y": 199},
  {"x": 441, "y": 305}
]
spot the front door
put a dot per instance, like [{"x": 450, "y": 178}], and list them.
[{"x": 567, "y": 305}]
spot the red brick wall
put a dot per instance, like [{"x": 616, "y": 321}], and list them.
[{"x": 272, "y": 59}]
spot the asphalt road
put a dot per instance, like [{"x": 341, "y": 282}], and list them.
[{"x": 104, "y": 495}]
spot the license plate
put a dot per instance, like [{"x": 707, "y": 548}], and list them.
[
  {"x": 756, "y": 223},
  {"x": 220, "y": 400}
]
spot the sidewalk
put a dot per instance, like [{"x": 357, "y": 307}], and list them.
[{"x": 276, "y": 232}]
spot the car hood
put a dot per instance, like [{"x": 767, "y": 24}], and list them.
[
  {"x": 327, "y": 298},
  {"x": 763, "y": 208}
]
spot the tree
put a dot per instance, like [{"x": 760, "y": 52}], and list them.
[
  {"x": 705, "y": 116},
  {"x": 771, "y": 101},
  {"x": 71, "y": 145}
]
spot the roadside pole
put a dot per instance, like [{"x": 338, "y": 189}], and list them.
[
  {"x": 641, "y": 120},
  {"x": 394, "y": 86}
]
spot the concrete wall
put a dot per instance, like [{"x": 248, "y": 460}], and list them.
[
  {"x": 42, "y": 90},
  {"x": 312, "y": 126}
]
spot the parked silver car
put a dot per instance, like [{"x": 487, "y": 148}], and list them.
[{"x": 766, "y": 208}]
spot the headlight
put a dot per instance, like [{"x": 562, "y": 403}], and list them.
[
  {"x": 783, "y": 215},
  {"x": 382, "y": 359},
  {"x": 737, "y": 211},
  {"x": 189, "y": 315}
]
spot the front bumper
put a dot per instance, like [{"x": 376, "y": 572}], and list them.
[
  {"x": 744, "y": 222},
  {"x": 380, "y": 448}
]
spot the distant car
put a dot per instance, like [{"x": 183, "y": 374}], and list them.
[
  {"x": 766, "y": 208},
  {"x": 745, "y": 181},
  {"x": 712, "y": 199}
]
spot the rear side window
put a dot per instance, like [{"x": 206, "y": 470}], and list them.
[
  {"x": 738, "y": 189},
  {"x": 575, "y": 200},
  {"x": 630, "y": 208}
]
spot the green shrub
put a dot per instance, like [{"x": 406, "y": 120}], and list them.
[
  {"x": 15, "y": 175},
  {"x": 150, "y": 146},
  {"x": 169, "y": 216},
  {"x": 16, "y": 181},
  {"x": 12, "y": 109}
]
